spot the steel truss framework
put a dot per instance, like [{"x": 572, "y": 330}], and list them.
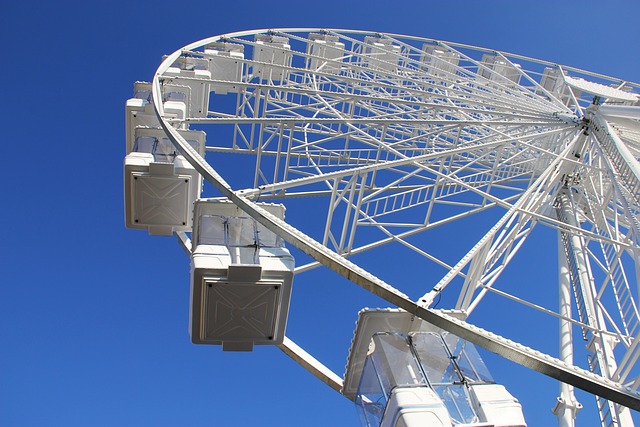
[{"x": 393, "y": 137}]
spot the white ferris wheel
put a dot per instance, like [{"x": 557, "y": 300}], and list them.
[{"x": 386, "y": 147}]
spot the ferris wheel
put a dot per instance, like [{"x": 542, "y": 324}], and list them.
[{"x": 341, "y": 150}]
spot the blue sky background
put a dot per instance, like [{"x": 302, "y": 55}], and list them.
[{"x": 93, "y": 317}]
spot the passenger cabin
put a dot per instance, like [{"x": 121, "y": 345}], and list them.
[
  {"x": 439, "y": 61},
  {"x": 496, "y": 69},
  {"x": 226, "y": 65},
  {"x": 552, "y": 80},
  {"x": 194, "y": 73},
  {"x": 273, "y": 57},
  {"x": 404, "y": 372},
  {"x": 160, "y": 185},
  {"x": 241, "y": 277},
  {"x": 380, "y": 54},
  {"x": 140, "y": 112},
  {"x": 325, "y": 53}
]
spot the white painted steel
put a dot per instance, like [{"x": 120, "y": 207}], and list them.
[
  {"x": 395, "y": 141},
  {"x": 311, "y": 364},
  {"x": 567, "y": 406}
]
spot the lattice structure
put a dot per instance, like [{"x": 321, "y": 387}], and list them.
[{"x": 392, "y": 137}]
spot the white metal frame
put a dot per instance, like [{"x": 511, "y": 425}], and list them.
[{"x": 392, "y": 147}]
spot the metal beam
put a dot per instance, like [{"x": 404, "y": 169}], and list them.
[{"x": 311, "y": 364}]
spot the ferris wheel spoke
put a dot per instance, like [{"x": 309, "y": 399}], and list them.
[{"x": 529, "y": 198}]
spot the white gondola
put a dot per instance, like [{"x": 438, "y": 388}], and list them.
[
  {"x": 160, "y": 185},
  {"x": 410, "y": 373},
  {"x": 325, "y": 53},
  {"x": 273, "y": 57},
  {"x": 194, "y": 73},
  {"x": 439, "y": 61},
  {"x": 498, "y": 70},
  {"x": 380, "y": 54},
  {"x": 241, "y": 277},
  {"x": 552, "y": 80},
  {"x": 140, "y": 112},
  {"x": 225, "y": 65}
]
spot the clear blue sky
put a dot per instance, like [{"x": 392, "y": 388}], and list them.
[{"x": 93, "y": 317}]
